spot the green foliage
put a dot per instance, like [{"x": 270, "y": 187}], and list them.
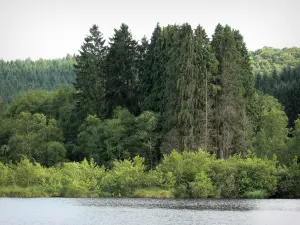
[
  {"x": 271, "y": 135},
  {"x": 152, "y": 193},
  {"x": 254, "y": 174},
  {"x": 36, "y": 138},
  {"x": 121, "y": 83},
  {"x": 231, "y": 119},
  {"x": 90, "y": 140},
  {"x": 184, "y": 167},
  {"x": 80, "y": 179},
  {"x": 125, "y": 177},
  {"x": 26, "y": 174},
  {"x": 256, "y": 194},
  {"x": 237, "y": 177},
  {"x": 222, "y": 174},
  {"x": 119, "y": 138},
  {"x": 134, "y": 102},
  {"x": 294, "y": 144},
  {"x": 90, "y": 75},
  {"x": 268, "y": 58},
  {"x": 289, "y": 180},
  {"x": 202, "y": 187},
  {"x": 285, "y": 86},
  {"x": 21, "y": 76}
]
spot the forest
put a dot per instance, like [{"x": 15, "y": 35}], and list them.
[{"x": 179, "y": 115}]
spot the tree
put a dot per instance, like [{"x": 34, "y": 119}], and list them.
[
  {"x": 152, "y": 80},
  {"x": 90, "y": 75},
  {"x": 272, "y": 131},
  {"x": 122, "y": 77},
  {"x": 21, "y": 75},
  {"x": 90, "y": 141},
  {"x": 294, "y": 144},
  {"x": 230, "y": 114},
  {"x": 36, "y": 138}
]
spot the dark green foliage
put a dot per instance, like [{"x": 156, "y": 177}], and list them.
[
  {"x": 232, "y": 126},
  {"x": 285, "y": 86},
  {"x": 118, "y": 138},
  {"x": 294, "y": 143},
  {"x": 90, "y": 75},
  {"x": 122, "y": 72},
  {"x": 289, "y": 181},
  {"x": 152, "y": 80},
  {"x": 134, "y": 102},
  {"x": 271, "y": 132},
  {"x": 19, "y": 76},
  {"x": 35, "y": 137}
]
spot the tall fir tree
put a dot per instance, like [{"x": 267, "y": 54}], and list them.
[
  {"x": 189, "y": 74},
  {"x": 90, "y": 75},
  {"x": 122, "y": 73},
  {"x": 152, "y": 81},
  {"x": 230, "y": 116}
]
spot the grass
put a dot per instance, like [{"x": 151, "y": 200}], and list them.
[
  {"x": 21, "y": 192},
  {"x": 257, "y": 194},
  {"x": 35, "y": 192},
  {"x": 153, "y": 192}
]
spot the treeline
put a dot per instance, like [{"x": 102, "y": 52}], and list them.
[
  {"x": 201, "y": 90},
  {"x": 277, "y": 73},
  {"x": 178, "y": 90},
  {"x": 187, "y": 174},
  {"x": 268, "y": 59},
  {"x": 22, "y": 75},
  {"x": 285, "y": 86}
]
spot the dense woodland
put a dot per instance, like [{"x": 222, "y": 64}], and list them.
[
  {"x": 126, "y": 105},
  {"x": 19, "y": 76}
]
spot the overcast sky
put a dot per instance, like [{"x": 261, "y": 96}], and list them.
[{"x": 54, "y": 28}]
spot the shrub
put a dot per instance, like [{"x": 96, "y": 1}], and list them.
[
  {"x": 125, "y": 177},
  {"x": 202, "y": 186},
  {"x": 289, "y": 181}
]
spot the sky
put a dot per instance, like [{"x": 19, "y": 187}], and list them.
[{"x": 54, "y": 28}]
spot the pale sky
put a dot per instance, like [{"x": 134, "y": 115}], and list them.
[{"x": 54, "y": 28}]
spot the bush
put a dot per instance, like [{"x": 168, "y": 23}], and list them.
[
  {"x": 202, "y": 187},
  {"x": 3, "y": 174},
  {"x": 81, "y": 179},
  {"x": 180, "y": 191},
  {"x": 179, "y": 169},
  {"x": 26, "y": 174},
  {"x": 222, "y": 174},
  {"x": 254, "y": 174},
  {"x": 125, "y": 177},
  {"x": 289, "y": 181}
]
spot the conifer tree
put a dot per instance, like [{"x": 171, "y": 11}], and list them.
[
  {"x": 152, "y": 82},
  {"x": 230, "y": 117},
  {"x": 189, "y": 72},
  {"x": 122, "y": 77},
  {"x": 90, "y": 74}
]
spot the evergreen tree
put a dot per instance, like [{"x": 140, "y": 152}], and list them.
[
  {"x": 189, "y": 74},
  {"x": 230, "y": 115},
  {"x": 122, "y": 77},
  {"x": 152, "y": 80},
  {"x": 90, "y": 74}
]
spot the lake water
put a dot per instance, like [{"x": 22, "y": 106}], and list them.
[{"x": 108, "y": 211}]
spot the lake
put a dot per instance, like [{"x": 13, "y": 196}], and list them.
[{"x": 113, "y": 211}]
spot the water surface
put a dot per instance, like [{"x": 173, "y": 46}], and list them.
[{"x": 108, "y": 211}]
